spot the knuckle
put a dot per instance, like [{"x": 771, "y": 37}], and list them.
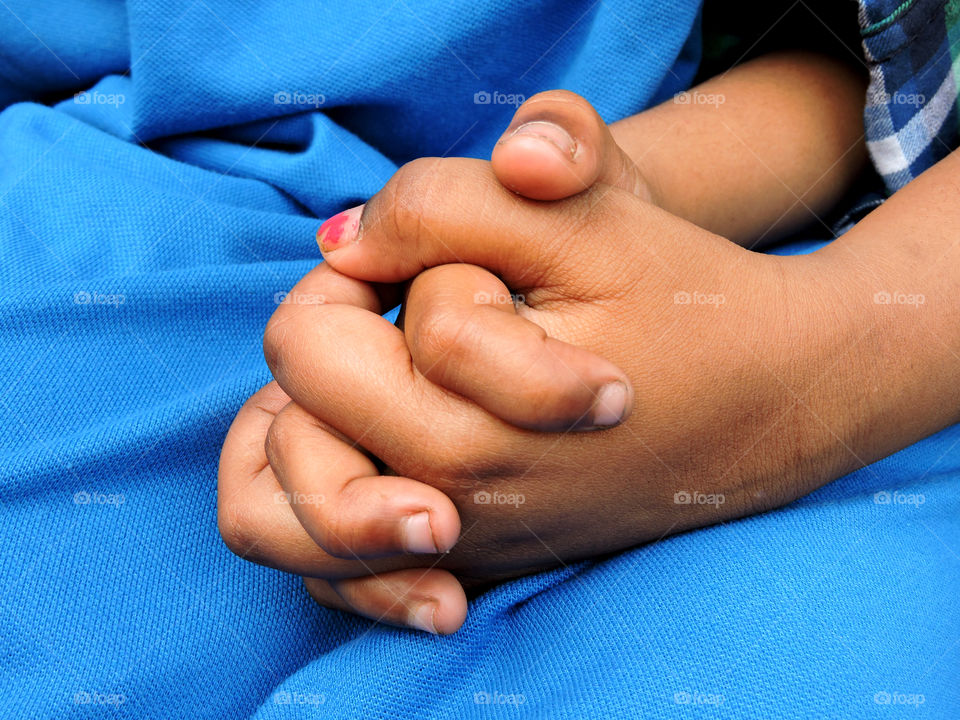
[
  {"x": 277, "y": 442},
  {"x": 288, "y": 339},
  {"x": 238, "y": 525},
  {"x": 403, "y": 203},
  {"x": 338, "y": 536},
  {"x": 273, "y": 337},
  {"x": 441, "y": 343}
]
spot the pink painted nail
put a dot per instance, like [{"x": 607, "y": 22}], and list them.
[{"x": 340, "y": 230}]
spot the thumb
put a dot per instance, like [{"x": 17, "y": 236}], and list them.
[
  {"x": 557, "y": 145},
  {"x": 465, "y": 334}
]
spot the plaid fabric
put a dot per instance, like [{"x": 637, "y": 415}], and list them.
[{"x": 911, "y": 115}]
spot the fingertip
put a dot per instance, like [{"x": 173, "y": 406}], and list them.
[
  {"x": 542, "y": 161},
  {"x": 613, "y": 405},
  {"x": 546, "y": 134},
  {"x": 451, "y": 609},
  {"x": 432, "y": 530},
  {"x": 444, "y": 523},
  {"x": 339, "y": 231},
  {"x": 430, "y": 600},
  {"x": 445, "y": 609}
]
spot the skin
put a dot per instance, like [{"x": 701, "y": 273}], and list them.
[{"x": 726, "y": 399}]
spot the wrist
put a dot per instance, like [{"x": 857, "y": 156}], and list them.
[{"x": 869, "y": 367}]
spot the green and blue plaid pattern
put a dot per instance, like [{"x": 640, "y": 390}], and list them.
[{"x": 911, "y": 115}]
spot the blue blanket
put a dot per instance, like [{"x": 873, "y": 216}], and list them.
[{"x": 162, "y": 166}]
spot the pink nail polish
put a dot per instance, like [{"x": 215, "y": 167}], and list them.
[{"x": 341, "y": 229}]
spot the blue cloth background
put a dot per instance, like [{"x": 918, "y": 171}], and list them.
[{"x": 135, "y": 285}]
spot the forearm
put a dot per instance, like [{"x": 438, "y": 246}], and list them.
[
  {"x": 868, "y": 344},
  {"x": 757, "y": 152},
  {"x": 898, "y": 272}
]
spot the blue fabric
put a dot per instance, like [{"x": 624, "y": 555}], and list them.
[{"x": 136, "y": 282}]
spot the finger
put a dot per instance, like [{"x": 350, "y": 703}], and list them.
[
  {"x": 336, "y": 493},
  {"x": 368, "y": 390},
  {"x": 463, "y": 329},
  {"x": 438, "y": 211},
  {"x": 426, "y": 599},
  {"x": 324, "y": 284},
  {"x": 254, "y": 515},
  {"x": 259, "y": 528},
  {"x": 557, "y": 145}
]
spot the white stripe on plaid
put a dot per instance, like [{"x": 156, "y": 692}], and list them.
[{"x": 894, "y": 153}]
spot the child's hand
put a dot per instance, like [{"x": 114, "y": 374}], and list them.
[
  {"x": 695, "y": 322},
  {"x": 257, "y": 527}
]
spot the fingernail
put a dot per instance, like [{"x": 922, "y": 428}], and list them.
[
  {"x": 417, "y": 535},
  {"x": 422, "y": 617},
  {"x": 551, "y": 132},
  {"x": 342, "y": 229},
  {"x": 611, "y": 404}
]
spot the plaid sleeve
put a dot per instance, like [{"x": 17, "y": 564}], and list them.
[{"x": 911, "y": 115}]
